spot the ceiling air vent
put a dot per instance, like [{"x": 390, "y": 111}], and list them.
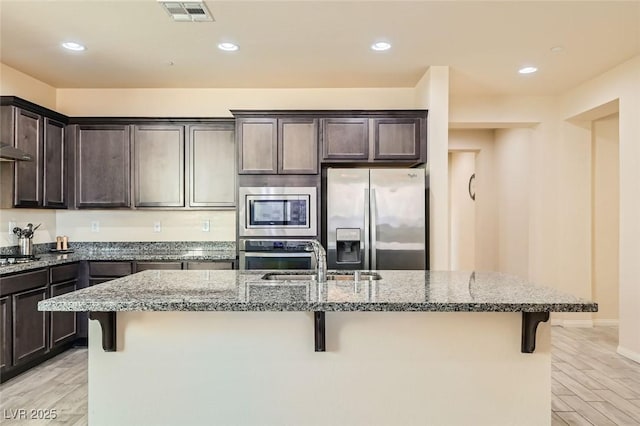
[{"x": 189, "y": 11}]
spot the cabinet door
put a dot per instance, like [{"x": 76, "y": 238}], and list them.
[
  {"x": 63, "y": 324},
  {"x": 29, "y": 325},
  {"x": 257, "y": 145},
  {"x": 54, "y": 161},
  {"x": 212, "y": 166},
  {"x": 102, "y": 166},
  {"x": 28, "y": 174},
  {"x": 219, "y": 265},
  {"x": 396, "y": 138},
  {"x": 5, "y": 332},
  {"x": 298, "y": 146},
  {"x": 345, "y": 139},
  {"x": 158, "y": 166},
  {"x": 109, "y": 269},
  {"x": 143, "y": 266}
]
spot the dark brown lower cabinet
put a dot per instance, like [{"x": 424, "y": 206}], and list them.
[
  {"x": 100, "y": 272},
  {"x": 143, "y": 266},
  {"x": 5, "y": 333},
  {"x": 209, "y": 265},
  {"x": 63, "y": 324},
  {"x": 29, "y": 336},
  {"x": 30, "y": 326}
]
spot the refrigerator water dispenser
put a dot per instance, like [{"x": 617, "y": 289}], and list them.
[{"x": 348, "y": 245}]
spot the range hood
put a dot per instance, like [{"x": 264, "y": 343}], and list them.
[{"x": 9, "y": 153}]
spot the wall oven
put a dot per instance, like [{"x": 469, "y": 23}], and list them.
[
  {"x": 275, "y": 254},
  {"x": 277, "y": 212}
]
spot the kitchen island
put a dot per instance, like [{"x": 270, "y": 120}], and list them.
[{"x": 228, "y": 347}]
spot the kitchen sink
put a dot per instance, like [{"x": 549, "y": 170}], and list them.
[{"x": 305, "y": 276}]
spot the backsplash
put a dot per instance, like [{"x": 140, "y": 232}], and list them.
[{"x": 132, "y": 246}]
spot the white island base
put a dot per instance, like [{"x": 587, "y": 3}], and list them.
[{"x": 260, "y": 368}]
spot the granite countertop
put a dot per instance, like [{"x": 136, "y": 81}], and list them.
[
  {"x": 246, "y": 291},
  {"x": 129, "y": 252}
]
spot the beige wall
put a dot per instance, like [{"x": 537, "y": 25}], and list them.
[
  {"x": 123, "y": 225},
  {"x": 481, "y": 141},
  {"x": 621, "y": 83},
  {"x": 46, "y": 233},
  {"x": 432, "y": 93},
  {"x": 606, "y": 213},
  {"x": 16, "y": 83},
  {"x": 218, "y": 102},
  {"x": 512, "y": 151},
  {"x": 462, "y": 211},
  {"x": 560, "y": 184}
]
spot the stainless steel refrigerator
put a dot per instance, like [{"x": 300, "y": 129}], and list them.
[{"x": 376, "y": 219}]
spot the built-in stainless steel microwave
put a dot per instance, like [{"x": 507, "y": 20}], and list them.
[{"x": 277, "y": 211}]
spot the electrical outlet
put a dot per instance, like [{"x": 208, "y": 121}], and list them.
[
  {"x": 12, "y": 224},
  {"x": 157, "y": 227},
  {"x": 95, "y": 226},
  {"x": 206, "y": 226}
]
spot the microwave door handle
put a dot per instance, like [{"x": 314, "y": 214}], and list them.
[{"x": 364, "y": 237}]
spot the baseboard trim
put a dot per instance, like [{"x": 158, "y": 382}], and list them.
[
  {"x": 628, "y": 353},
  {"x": 572, "y": 323},
  {"x": 606, "y": 322}
]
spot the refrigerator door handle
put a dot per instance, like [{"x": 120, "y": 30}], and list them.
[
  {"x": 364, "y": 238},
  {"x": 374, "y": 224}
]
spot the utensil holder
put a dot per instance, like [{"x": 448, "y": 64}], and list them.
[{"x": 26, "y": 246}]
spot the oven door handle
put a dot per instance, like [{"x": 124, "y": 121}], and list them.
[{"x": 266, "y": 254}]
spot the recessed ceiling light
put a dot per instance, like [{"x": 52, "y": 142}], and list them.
[
  {"x": 381, "y": 45},
  {"x": 228, "y": 47},
  {"x": 557, "y": 49},
  {"x": 527, "y": 70},
  {"x": 72, "y": 45}
]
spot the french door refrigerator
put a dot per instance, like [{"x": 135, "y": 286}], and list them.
[{"x": 376, "y": 219}]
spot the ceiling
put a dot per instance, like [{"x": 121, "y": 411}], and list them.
[{"x": 294, "y": 44}]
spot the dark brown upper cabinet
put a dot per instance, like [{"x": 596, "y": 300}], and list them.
[
  {"x": 173, "y": 163},
  {"x": 345, "y": 138},
  {"x": 277, "y": 145},
  {"x": 39, "y": 132},
  {"x": 103, "y": 173},
  {"x": 212, "y": 165},
  {"x": 298, "y": 146},
  {"x": 28, "y": 174},
  {"x": 396, "y": 138},
  {"x": 54, "y": 164},
  {"x": 257, "y": 145},
  {"x": 290, "y": 141},
  {"x": 158, "y": 159},
  {"x": 376, "y": 136}
]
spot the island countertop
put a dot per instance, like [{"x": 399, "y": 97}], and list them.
[{"x": 429, "y": 291}]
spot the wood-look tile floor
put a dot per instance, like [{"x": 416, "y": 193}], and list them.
[
  {"x": 58, "y": 384},
  {"x": 591, "y": 384}
]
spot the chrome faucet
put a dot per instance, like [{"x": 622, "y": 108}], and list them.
[{"x": 321, "y": 259}]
